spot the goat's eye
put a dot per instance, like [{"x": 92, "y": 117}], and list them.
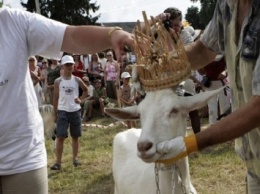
[{"x": 174, "y": 111}]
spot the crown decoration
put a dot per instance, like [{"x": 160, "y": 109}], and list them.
[{"x": 161, "y": 60}]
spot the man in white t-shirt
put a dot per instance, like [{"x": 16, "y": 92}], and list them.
[{"x": 23, "y": 34}]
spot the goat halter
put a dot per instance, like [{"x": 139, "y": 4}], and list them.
[{"x": 160, "y": 56}]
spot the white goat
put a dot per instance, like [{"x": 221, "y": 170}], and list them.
[
  {"x": 46, "y": 112},
  {"x": 163, "y": 116}
]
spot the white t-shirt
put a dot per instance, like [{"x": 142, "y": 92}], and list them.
[
  {"x": 68, "y": 92},
  {"x": 23, "y": 34}
]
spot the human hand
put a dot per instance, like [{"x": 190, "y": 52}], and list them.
[
  {"x": 177, "y": 148},
  {"x": 162, "y": 16},
  {"x": 77, "y": 101},
  {"x": 119, "y": 40}
]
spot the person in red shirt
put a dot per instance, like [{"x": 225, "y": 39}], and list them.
[{"x": 79, "y": 69}]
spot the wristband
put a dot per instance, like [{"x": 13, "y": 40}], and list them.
[
  {"x": 191, "y": 144},
  {"x": 110, "y": 32}
]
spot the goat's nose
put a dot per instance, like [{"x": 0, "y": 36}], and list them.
[{"x": 144, "y": 146}]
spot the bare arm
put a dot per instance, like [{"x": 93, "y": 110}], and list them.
[
  {"x": 92, "y": 39},
  {"x": 55, "y": 98},
  {"x": 234, "y": 125},
  {"x": 199, "y": 55},
  {"x": 84, "y": 88}
]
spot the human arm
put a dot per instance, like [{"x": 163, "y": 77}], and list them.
[
  {"x": 92, "y": 39},
  {"x": 34, "y": 77},
  {"x": 84, "y": 88},
  {"x": 199, "y": 55},
  {"x": 224, "y": 130},
  {"x": 55, "y": 98},
  {"x": 117, "y": 75},
  {"x": 105, "y": 74}
]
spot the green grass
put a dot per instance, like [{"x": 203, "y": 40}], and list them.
[{"x": 215, "y": 170}]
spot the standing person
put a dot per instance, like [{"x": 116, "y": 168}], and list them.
[
  {"x": 86, "y": 60},
  {"x": 172, "y": 19},
  {"x": 67, "y": 109},
  {"x": 103, "y": 61},
  {"x": 215, "y": 73},
  {"x": 126, "y": 97},
  {"x": 36, "y": 77},
  {"x": 53, "y": 72},
  {"x": 43, "y": 81},
  {"x": 79, "y": 69},
  {"x": 23, "y": 163},
  {"x": 111, "y": 75},
  {"x": 95, "y": 68},
  {"x": 233, "y": 33}
]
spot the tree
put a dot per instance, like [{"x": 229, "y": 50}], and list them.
[
  {"x": 202, "y": 17},
  {"x": 72, "y": 12},
  {"x": 192, "y": 16}
]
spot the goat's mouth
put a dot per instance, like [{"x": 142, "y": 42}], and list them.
[{"x": 148, "y": 157}]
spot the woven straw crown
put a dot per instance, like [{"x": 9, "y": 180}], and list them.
[{"x": 160, "y": 56}]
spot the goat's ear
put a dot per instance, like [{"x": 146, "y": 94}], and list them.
[
  {"x": 127, "y": 113},
  {"x": 198, "y": 100}
]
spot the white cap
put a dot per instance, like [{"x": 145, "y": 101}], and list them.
[
  {"x": 67, "y": 59},
  {"x": 125, "y": 75}
]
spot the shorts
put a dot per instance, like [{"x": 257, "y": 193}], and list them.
[
  {"x": 31, "y": 182},
  {"x": 68, "y": 119}
]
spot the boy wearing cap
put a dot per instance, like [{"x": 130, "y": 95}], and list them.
[
  {"x": 67, "y": 109},
  {"x": 126, "y": 99}
]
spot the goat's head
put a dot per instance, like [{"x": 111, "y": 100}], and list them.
[{"x": 163, "y": 116}]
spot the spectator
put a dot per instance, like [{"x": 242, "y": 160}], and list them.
[
  {"x": 53, "y": 72},
  {"x": 111, "y": 76},
  {"x": 103, "y": 61},
  {"x": 86, "y": 60},
  {"x": 100, "y": 99},
  {"x": 66, "y": 103},
  {"x": 172, "y": 19},
  {"x": 23, "y": 163},
  {"x": 85, "y": 102},
  {"x": 95, "y": 68},
  {"x": 79, "y": 69},
  {"x": 36, "y": 77},
  {"x": 126, "y": 95},
  {"x": 45, "y": 97}
]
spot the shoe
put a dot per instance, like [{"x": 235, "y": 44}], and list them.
[
  {"x": 76, "y": 163},
  {"x": 56, "y": 166}
]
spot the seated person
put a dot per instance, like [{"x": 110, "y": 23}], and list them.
[{"x": 100, "y": 99}]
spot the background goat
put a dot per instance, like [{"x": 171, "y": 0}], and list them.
[{"x": 163, "y": 116}]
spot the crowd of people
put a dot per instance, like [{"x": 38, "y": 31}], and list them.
[
  {"x": 232, "y": 33},
  {"x": 101, "y": 67}
]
